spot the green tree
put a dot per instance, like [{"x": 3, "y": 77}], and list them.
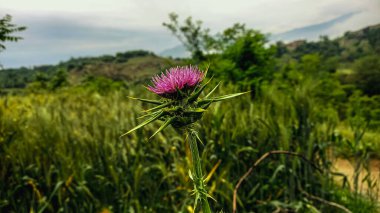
[
  {"x": 281, "y": 49},
  {"x": 7, "y": 29},
  {"x": 238, "y": 54},
  {"x": 247, "y": 60},
  {"x": 191, "y": 35},
  {"x": 310, "y": 64},
  {"x": 59, "y": 80},
  {"x": 221, "y": 41},
  {"x": 367, "y": 74}
]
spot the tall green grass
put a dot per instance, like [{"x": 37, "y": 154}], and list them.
[{"x": 61, "y": 152}]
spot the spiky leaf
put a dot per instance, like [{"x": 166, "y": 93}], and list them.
[
  {"x": 212, "y": 91},
  {"x": 196, "y": 110},
  {"x": 163, "y": 126},
  {"x": 159, "y": 107},
  {"x": 150, "y": 114},
  {"x": 146, "y": 122},
  {"x": 196, "y": 94},
  {"x": 146, "y": 100},
  {"x": 221, "y": 98}
]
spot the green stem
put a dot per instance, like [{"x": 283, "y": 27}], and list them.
[{"x": 200, "y": 189}]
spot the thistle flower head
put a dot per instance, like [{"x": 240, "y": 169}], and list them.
[
  {"x": 176, "y": 81},
  {"x": 183, "y": 85}
]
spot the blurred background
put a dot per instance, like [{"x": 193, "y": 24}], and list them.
[{"x": 66, "y": 69}]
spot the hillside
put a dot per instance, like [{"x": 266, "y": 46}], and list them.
[
  {"x": 347, "y": 48},
  {"x": 311, "y": 32},
  {"x": 135, "y": 68},
  {"x": 127, "y": 66},
  {"x": 139, "y": 64}
]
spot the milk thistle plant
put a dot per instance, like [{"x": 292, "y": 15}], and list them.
[{"x": 180, "y": 107}]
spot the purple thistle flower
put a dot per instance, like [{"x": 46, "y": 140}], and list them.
[{"x": 177, "y": 78}]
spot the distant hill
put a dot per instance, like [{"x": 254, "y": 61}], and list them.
[
  {"x": 347, "y": 48},
  {"x": 126, "y": 66},
  {"x": 178, "y": 51},
  {"x": 139, "y": 64},
  {"x": 311, "y": 32},
  {"x": 295, "y": 37}
]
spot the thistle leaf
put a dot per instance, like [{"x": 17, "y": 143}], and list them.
[
  {"x": 197, "y": 93},
  {"x": 221, "y": 98},
  {"x": 167, "y": 122},
  {"x": 196, "y": 110},
  {"x": 146, "y": 122},
  {"x": 206, "y": 71},
  {"x": 150, "y": 114},
  {"x": 173, "y": 109},
  {"x": 159, "y": 107},
  {"x": 146, "y": 100},
  {"x": 206, "y": 105},
  {"x": 212, "y": 91}
]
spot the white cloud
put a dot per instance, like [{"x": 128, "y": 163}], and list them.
[
  {"x": 268, "y": 15},
  {"x": 145, "y": 17}
]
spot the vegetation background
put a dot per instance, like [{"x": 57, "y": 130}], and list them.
[{"x": 60, "y": 149}]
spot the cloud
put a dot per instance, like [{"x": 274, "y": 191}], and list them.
[
  {"x": 53, "y": 39},
  {"x": 312, "y": 32},
  {"x": 60, "y": 29},
  {"x": 268, "y": 15}
]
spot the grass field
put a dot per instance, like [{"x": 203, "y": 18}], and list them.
[{"x": 61, "y": 151}]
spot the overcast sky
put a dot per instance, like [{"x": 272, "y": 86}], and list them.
[{"x": 58, "y": 30}]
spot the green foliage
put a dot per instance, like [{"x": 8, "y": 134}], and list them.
[
  {"x": 345, "y": 49},
  {"x": 59, "y": 80},
  {"x": 221, "y": 41},
  {"x": 367, "y": 74},
  {"x": 190, "y": 33},
  {"x": 356, "y": 203},
  {"x": 61, "y": 151},
  {"x": 310, "y": 64},
  {"x": 7, "y": 29},
  {"x": 101, "y": 85},
  {"x": 365, "y": 40},
  {"x": 237, "y": 54},
  {"x": 42, "y": 81},
  {"x": 121, "y": 57},
  {"x": 246, "y": 61},
  {"x": 135, "y": 65},
  {"x": 13, "y": 78}
]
